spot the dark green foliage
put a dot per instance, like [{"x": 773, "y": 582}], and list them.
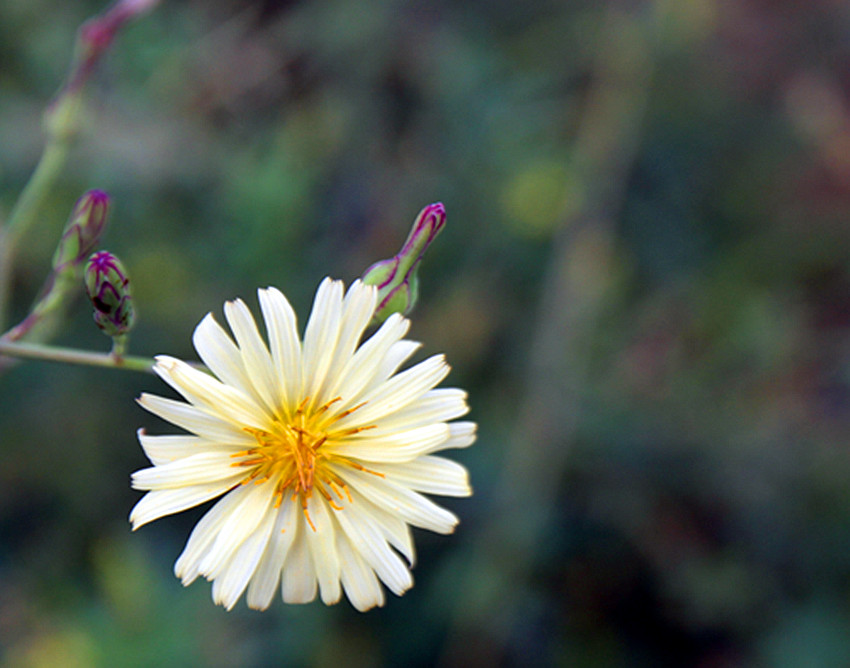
[{"x": 646, "y": 292}]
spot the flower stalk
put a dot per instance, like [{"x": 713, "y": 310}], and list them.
[
  {"x": 62, "y": 121},
  {"x": 47, "y": 353}
]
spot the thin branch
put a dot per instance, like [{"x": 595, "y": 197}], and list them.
[{"x": 35, "y": 351}]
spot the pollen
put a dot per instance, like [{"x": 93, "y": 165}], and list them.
[{"x": 292, "y": 455}]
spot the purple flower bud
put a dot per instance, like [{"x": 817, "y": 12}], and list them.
[
  {"x": 83, "y": 230},
  {"x": 396, "y": 278},
  {"x": 108, "y": 288}
]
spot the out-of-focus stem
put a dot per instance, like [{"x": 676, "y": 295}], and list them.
[
  {"x": 49, "y": 166},
  {"x": 5, "y": 274},
  {"x": 62, "y": 119},
  {"x": 24, "y": 213},
  {"x": 574, "y": 289}
]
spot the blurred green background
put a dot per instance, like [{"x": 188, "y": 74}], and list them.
[{"x": 644, "y": 284}]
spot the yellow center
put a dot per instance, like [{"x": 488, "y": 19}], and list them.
[{"x": 293, "y": 455}]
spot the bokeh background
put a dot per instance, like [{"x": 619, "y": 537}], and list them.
[{"x": 644, "y": 283}]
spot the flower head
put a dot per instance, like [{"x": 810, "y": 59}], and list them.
[
  {"x": 321, "y": 448},
  {"x": 108, "y": 289},
  {"x": 83, "y": 230}
]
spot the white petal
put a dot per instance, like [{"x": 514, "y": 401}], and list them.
[
  {"x": 298, "y": 579},
  {"x": 358, "y": 308},
  {"x": 395, "y": 357},
  {"x": 282, "y": 329},
  {"x": 323, "y": 549},
  {"x": 197, "y": 469},
  {"x": 264, "y": 583},
  {"x": 203, "y": 536},
  {"x": 194, "y": 419},
  {"x": 410, "y": 506},
  {"x": 439, "y": 405},
  {"x": 359, "y": 580},
  {"x": 392, "y": 447},
  {"x": 321, "y": 336},
  {"x": 243, "y": 519},
  {"x": 210, "y": 394},
  {"x": 220, "y": 354},
  {"x": 255, "y": 356},
  {"x": 237, "y": 573},
  {"x": 397, "y": 392},
  {"x": 154, "y": 505},
  {"x": 432, "y": 475},
  {"x": 461, "y": 435},
  {"x": 394, "y": 529},
  {"x": 371, "y": 544},
  {"x": 359, "y": 371},
  {"x": 164, "y": 449}
]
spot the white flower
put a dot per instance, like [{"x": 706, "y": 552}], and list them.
[{"x": 321, "y": 450}]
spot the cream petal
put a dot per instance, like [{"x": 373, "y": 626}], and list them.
[
  {"x": 358, "y": 579},
  {"x": 240, "y": 568},
  {"x": 256, "y": 359},
  {"x": 321, "y": 336},
  {"x": 187, "y": 566},
  {"x": 394, "y": 529},
  {"x": 409, "y": 505},
  {"x": 359, "y": 371},
  {"x": 397, "y": 355},
  {"x": 263, "y": 585},
  {"x": 220, "y": 354},
  {"x": 282, "y": 328},
  {"x": 431, "y": 475},
  {"x": 194, "y": 419},
  {"x": 255, "y": 502},
  {"x": 164, "y": 449},
  {"x": 197, "y": 469},
  {"x": 461, "y": 435},
  {"x": 397, "y": 393},
  {"x": 323, "y": 549},
  {"x": 392, "y": 447},
  {"x": 438, "y": 405},
  {"x": 358, "y": 307},
  {"x": 210, "y": 394},
  {"x": 154, "y": 505},
  {"x": 369, "y": 542},
  {"x": 298, "y": 578}
]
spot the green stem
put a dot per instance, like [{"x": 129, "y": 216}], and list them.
[
  {"x": 49, "y": 166},
  {"x": 25, "y": 211},
  {"x": 73, "y": 356}
]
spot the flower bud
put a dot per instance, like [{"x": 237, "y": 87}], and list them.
[
  {"x": 83, "y": 230},
  {"x": 396, "y": 278},
  {"x": 108, "y": 289}
]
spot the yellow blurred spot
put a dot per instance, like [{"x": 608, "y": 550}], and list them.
[
  {"x": 540, "y": 196},
  {"x": 126, "y": 581},
  {"x": 69, "y": 648}
]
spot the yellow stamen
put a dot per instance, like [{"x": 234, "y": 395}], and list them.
[
  {"x": 350, "y": 410},
  {"x": 293, "y": 455}
]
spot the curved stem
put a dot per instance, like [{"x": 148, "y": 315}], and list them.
[
  {"x": 49, "y": 167},
  {"x": 25, "y": 211}
]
